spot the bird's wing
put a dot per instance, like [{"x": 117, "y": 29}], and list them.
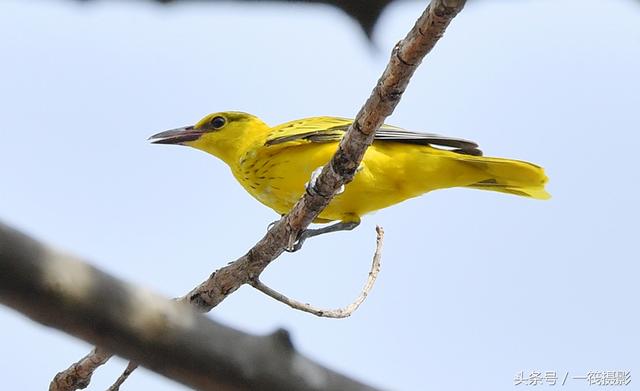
[
  {"x": 330, "y": 129},
  {"x": 315, "y": 129}
]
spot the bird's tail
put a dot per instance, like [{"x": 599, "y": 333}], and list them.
[{"x": 509, "y": 176}]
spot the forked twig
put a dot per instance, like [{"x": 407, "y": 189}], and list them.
[{"x": 343, "y": 312}]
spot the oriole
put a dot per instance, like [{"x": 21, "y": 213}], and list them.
[{"x": 274, "y": 164}]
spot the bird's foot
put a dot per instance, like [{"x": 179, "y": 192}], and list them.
[
  {"x": 311, "y": 185},
  {"x": 295, "y": 244},
  {"x": 271, "y": 224}
]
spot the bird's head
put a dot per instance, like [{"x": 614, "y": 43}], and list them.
[{"x": 224, "y": 134}]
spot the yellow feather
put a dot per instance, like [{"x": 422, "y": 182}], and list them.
[{"x": 274, "y": 163}]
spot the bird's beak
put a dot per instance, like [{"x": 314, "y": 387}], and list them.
[{"x": 177, "y": 136}]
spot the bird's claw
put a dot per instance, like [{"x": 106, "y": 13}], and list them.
[
  {"x": 271, "y": 224},
  {"x": 311, "y": 185},
  {"x": 296, "y": 244}
]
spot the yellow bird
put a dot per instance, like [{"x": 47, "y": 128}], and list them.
[{"x": 274, "y": 164}]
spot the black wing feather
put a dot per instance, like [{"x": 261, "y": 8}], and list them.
[{"x": 386, "y": 133}]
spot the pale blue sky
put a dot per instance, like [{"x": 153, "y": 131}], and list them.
[{"x": 475, "y": 286}]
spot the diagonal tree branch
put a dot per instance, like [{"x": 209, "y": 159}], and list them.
[
  {"x": 170, "y": 338},
  {"x": 405, "y": 58}
]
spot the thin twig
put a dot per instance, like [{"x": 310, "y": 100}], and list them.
[
  {"x": 339, "y": 312},
  {"x": 124, "y": 376},
  {"x": 405, "y": 59}
]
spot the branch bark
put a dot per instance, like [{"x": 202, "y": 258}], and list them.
[
  {"x": 405, "y": 58},
  {"x": 170, "y": 338}
]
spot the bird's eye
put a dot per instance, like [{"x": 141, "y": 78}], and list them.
[{"x": 218, "y": 122}]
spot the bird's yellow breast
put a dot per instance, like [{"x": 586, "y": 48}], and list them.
[{"x": 389, "y": 173}]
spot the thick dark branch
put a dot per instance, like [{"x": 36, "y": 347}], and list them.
[{"x": 170, "y": 338}]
